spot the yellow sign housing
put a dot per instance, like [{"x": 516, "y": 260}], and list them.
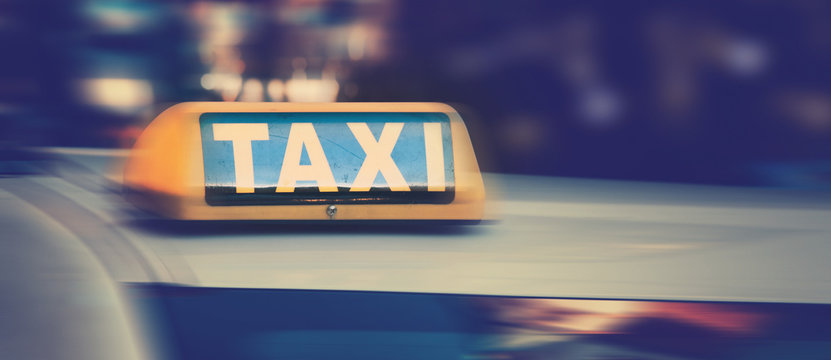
[{"x": 306, "y": 161}]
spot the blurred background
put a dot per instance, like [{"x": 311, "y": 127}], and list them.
[{"x": 712, "y": 92}]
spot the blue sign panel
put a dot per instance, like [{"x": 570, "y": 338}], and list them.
[{"x": 297, "y": 158}]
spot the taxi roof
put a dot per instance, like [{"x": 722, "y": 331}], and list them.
[{"x": 555, "y": 237}]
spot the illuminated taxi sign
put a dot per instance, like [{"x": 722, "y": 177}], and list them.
[
  {"x": 333, "y": 158},
  {"x": 283, "y": 161}
]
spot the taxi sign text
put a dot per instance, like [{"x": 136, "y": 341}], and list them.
[{"x": 290, "y": 158}]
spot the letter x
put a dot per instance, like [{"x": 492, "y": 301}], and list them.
[{"x": 378, "y": 157}]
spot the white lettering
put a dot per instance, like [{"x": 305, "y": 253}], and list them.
[
  {"x": 300, "y": 135},
  {"x": 378, "y": 157},
  {"x": 434, "y": 151},
  {"x": 240, "y": 136}
]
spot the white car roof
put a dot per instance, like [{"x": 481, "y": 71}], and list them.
[{"x": 553, "y": 237}]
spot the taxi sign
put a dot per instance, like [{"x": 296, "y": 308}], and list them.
[{"x": 285, "y": 161}]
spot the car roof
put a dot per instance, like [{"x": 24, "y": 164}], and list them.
[{"x": 551, "y": 237}]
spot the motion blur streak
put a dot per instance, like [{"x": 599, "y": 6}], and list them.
[
  {"x": 121, "y": 95},
  {"x": 58, "y": 301},
  {"x": 289, "y": 324},
  {"x": 665, "y": 172}
]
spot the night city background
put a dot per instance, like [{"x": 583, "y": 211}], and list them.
[{"x": 712, "y": 92}]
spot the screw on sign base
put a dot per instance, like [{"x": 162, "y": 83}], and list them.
[{"x": 331, "y": 210}]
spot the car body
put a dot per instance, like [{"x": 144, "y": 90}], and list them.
[{"x": 569, "y": 268}]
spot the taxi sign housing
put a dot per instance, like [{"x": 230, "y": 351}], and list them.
[{"x": 304, "y": 161}]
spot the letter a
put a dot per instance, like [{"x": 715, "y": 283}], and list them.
[{"x": 300, "y": 135}]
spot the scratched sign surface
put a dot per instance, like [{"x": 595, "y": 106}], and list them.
[{"x": 309, "y": 158}]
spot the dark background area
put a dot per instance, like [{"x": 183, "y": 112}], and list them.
[{"x": 713, "y": 92}]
